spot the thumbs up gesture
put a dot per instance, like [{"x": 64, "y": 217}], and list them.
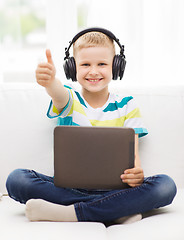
[
  {"x": 45, "y": 72},
  {"x": 49, "y": 57}
]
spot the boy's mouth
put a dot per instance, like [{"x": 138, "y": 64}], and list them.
[{"x": 93, "y": 79}]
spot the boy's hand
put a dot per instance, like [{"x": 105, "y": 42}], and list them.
[
  {"x": 134, "y": 177},
  {"x": 45, "y": 72}
]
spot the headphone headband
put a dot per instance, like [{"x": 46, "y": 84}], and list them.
[{"x": 102, "y": 30}]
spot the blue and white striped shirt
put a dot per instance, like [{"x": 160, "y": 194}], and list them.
[{"x": 118, "y": 111}]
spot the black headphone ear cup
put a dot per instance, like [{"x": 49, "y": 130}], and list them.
[
  {"x": 115, "y": 67},
  {"x": 122, "y": 67},
  {"x": 66, "y": 70},
  {"x": 70, "y": 68},
  {"x": 118, "y": 67}
]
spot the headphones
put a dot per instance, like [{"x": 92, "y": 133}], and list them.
[{"x": 118, "y": 65}]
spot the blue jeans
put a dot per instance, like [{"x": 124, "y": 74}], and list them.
[{"x": 93, "y": 205}]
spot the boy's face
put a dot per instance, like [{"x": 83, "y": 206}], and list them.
[{"x": 94, "y": 68}]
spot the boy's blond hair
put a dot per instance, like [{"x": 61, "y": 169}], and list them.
[{"x": 93, "y": 39}]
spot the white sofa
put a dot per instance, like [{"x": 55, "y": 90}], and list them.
[{"x": 26, "y": 141}]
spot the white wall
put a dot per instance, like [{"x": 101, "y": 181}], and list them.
[
  {"x": 61, "y": 26},
  {"x": 151, "y": 30},
  {"x": 153, "y": 34}
]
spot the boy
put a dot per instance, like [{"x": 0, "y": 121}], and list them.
[{"x": 94, "y": 55}]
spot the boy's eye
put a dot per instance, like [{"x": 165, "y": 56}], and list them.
[{"x": 87, "y": 64}]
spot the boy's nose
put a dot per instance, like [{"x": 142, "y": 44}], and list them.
[{"x": 93, "y": 70}]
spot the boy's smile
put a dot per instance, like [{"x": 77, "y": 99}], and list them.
[{"x": 94, "y": 69}]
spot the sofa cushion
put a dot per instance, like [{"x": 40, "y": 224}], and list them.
[
  {"x": 14, "y": 225},
  {"x": 27, "y": 134},
  {"x": 161, "y": 224}
]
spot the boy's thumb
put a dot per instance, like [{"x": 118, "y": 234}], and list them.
[{"x": 49, "y": 56}]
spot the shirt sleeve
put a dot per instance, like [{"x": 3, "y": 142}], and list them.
[
  {"x": 54, "y": 113},
  {"x": 133, "y": 119}
]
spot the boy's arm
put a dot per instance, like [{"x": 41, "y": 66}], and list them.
[
  {"x": 59, "y": 94},
  {"x": 45, "y": 76},
  {"x": 135, "y": 176}
]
